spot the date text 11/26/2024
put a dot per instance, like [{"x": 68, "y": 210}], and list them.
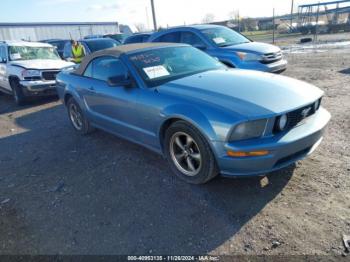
[{"x": 174, "y": 258}]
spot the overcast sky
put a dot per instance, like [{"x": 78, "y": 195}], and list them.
[{"x": 169, "y": 12}]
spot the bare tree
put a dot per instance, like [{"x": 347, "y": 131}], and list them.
[
  {"x": 248, "y": 24},
  {"x": 235, "y": 19},
  {"x": 208, "y": 18},
  {"x": 140, "y": 27},
  {"x": 234, "y": 16}
]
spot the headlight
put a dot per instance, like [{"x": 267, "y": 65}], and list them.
[
  {"x": 248, "y": 56},
  {"x": 248, "y": 130},
  {"x": 31, "y": 73}
]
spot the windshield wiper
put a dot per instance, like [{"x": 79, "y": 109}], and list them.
[{"x": 224, "y": 45}]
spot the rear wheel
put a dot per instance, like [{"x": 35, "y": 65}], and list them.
[
  {"x": 77, "y": 118},
  {"x": 17, "y": 92},
  {"x": 189, "y": 154}
]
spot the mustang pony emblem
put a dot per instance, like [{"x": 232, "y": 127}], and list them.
[{"x": 305, "y": 112}]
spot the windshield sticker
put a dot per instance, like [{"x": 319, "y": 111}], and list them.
[
  {"x": 156, "y": 71},
  {"x": 219, "y": 40},
  {"x": 15, "y": 56}
]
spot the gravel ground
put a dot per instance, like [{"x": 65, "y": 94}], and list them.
[{"x": 65, "y": 194}]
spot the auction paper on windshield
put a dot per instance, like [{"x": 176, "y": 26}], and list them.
[{"x": 156, "y": 71}]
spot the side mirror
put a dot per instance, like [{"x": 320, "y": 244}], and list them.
[
  {"x": 120, "y": 80},
  {"x": 200, "y": 47}
]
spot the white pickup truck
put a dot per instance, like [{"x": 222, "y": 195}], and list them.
[{"x": 29, "y": 69}]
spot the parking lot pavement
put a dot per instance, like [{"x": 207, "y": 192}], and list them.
[{"x": 61, "y": 193}]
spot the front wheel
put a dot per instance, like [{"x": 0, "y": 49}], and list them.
[
  {"x": 17, "y": 92},
  {"x": 189, "y": 154},
  {"x": 77, "y": 118}
]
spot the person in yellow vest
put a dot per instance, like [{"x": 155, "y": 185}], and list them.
[{"x": 78, "y": 52}]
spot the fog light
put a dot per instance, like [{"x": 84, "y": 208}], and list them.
[
  {"x": 282, "y": 122},
  {"x": 316, "y": 105},
  {"x": 245, "y": 154}
]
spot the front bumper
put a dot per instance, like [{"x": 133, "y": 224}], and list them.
[
  {"x": 38, "y": 88},
  {"x": 276, "y": 67},
  {"x": 284, "y": 149}
]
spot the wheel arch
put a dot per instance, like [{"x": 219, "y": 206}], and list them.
[
  {"x": 193, "y": 117},
  {"x": 13, "y": 78},
  {"x": 165, "y": 125},
  {"x": 66, "y": 97},
  {"x": 72, "y": 94}
]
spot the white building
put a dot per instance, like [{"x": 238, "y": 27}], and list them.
[{"x": 42, "y": 31}]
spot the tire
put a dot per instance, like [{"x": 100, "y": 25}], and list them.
[
  {"x": 17, "y": 92},
  {"x": 194, "y": 147},
  {"x": 77, "y": 118}
]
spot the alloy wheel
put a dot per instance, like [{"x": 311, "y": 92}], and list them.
[
  {"x": 185, "y": 154},
  {"x": 75, "y": 116}
]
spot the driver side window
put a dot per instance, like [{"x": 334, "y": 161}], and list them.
[
  {"x": 103, "y": 68},
  {"x": 191, "y": 39}
]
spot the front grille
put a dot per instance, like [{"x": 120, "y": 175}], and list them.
[
  {"x": 49, "y": 75},
  {"x": 271, "y": 57},
  {"x": 32, "y": 78},
  {"x": 297, "y": 116}
]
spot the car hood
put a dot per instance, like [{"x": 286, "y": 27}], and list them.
[
  {"x": 42, "y": 64},
  {"x": 249, "y": 93},
  {"x": 253, "y": 47}
]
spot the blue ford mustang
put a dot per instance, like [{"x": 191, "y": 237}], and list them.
[{"x": 205, "y": 118}]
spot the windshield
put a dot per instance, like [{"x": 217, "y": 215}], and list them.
[
  {"x": 117, "y": 37},
  {"x": 162, "y": 65},
  {"x": 223, "y": 36},
  {"x": 96, "y": 45},
  {"x": 32, "y": 53}
]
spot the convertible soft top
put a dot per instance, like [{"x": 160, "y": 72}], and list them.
[{"x": 117, "y": 51}]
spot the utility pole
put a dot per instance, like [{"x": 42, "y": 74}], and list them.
[
  {"x": 273, "y": 24},
  {"x": 154, "y": 16},
  {"x": 291, "y": 15},
  {"x": 316, "y": 26}
]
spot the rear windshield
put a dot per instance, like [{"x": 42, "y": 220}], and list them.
[
  {"x": 58, "y": 44},
  {"x": 136, "y": 39},
  {"x": 117, "y": 37},
  {"x": 101, "y": 44}
]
